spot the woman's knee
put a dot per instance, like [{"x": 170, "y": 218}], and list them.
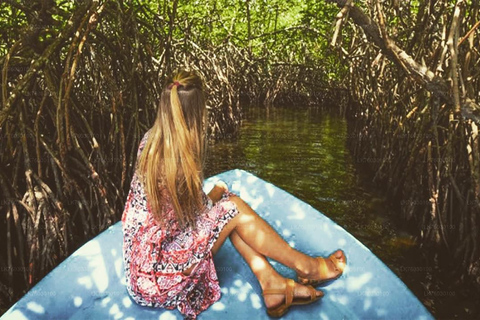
[
  {"x": 234, "y": 198},
  {"x": 239, "y": 203},
  {"x": 246, "y": 215}
]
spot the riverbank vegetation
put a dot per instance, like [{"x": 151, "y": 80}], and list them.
[
  {"x": 415, "y": 82},
  {"x": 80, "y": 82}
]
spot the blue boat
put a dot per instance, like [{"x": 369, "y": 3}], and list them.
[{"x": 90, "y": 283}]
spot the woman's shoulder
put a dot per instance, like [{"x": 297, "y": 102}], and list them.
[
  {"x": 145, "y": 137},
  {"x": 143, "y": 141}
]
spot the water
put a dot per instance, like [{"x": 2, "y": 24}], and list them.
[{"x": 303, "y": 151}]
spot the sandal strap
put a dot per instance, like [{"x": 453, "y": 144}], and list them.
[
  {"x": 313, "y": 293},
  {"x": 288, "y": 292},
  {"x": 273, "y": 291},
  {"x": 323, "y": 266}
]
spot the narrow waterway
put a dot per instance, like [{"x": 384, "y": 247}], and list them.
[{"x": 304, "y": 152}]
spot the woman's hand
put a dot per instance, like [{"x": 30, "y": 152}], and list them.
[
  {"x": 222, "y": 185},
  {"x": 217, "y": 191}
]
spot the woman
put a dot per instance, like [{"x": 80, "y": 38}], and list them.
[{"x": 172, "y": 229}]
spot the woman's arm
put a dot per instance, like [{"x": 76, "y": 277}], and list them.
[{"x": 217, "y": 191}]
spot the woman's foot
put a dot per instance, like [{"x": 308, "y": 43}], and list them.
[
  {"x": 276, "y": 299},
  {"x": 324, "y": 269}
]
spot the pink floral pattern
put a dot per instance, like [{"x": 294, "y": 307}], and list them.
[{"x": 155, "y": 257}]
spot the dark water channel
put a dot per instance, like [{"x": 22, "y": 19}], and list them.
[{"x": 303, "y": 151}]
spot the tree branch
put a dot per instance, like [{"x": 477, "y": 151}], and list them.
[
  {"x": 38, "y": 64},
  {"x": 420, "y": 73}
]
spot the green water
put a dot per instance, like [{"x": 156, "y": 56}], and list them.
[{"x": 304, "y": 152}]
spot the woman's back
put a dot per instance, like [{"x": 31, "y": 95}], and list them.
[{"x": 157, "y": 255}]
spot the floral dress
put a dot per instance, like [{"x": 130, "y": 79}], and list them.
[{"x": 155, "y": 257}]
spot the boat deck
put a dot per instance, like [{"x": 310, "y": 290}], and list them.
[{"x": 90, "y": 283}]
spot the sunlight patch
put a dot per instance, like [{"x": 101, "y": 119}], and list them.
[
  {"x": 99, "y": 274},
  {"x": 218, "y": 306},
  {"x": 17, "y": 315},
  {"x": 252, "y": 179},
  {"x": 106, "y": 301},
  {"x": 115, "y": 310},
  {"x": 255, "y": 299},
  {"x": 86, "y": 281},
  {"x": 119, "y": 268},
  {"x": 90, "y": 248},
  {"x": 238, "y": 283},
  {"x": 127, "y": 302},
  {"x": 35, "y": 307},
  {"x": 298, "y": 213},
  {"x": 167, "y": 316},
  {"x": 355, "y": 283},
  {"x": 367, "y": 304},
  {"x": 381, "y": 312},
  {"x": 77, "y": 301},
  {"x": 236, "y": 186},
  {"x": 343, "y": 299},
  {"x": 270, "y": 189}
]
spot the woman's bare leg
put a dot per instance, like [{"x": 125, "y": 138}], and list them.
[
  {"x": 267, "y": 276},
  {"x": 262, "y": 238}
]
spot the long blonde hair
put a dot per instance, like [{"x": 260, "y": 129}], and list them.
[{"x": 173, "y": 156}]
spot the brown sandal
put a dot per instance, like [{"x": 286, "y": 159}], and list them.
[
  {"x": 290, "y": 300},
  {"x": 338, "y": 265}
]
